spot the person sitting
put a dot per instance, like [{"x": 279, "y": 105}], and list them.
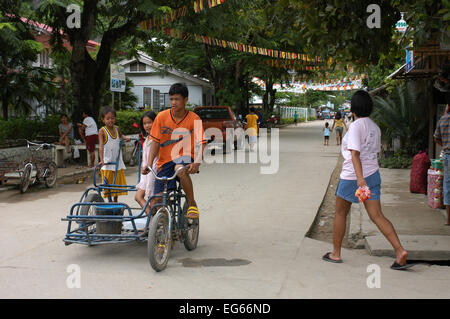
[{"x": 65, "y": 132}]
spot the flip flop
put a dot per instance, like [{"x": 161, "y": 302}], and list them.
[
  {"x": 327, "y": 257},
  {"x": 192, "y": 212},
  {"x": 397, "y": 266}
]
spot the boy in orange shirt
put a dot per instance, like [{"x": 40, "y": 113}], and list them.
[{"x": 177, "y": 135}]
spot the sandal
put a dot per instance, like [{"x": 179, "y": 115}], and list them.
[
  {"x": 327, "y": 257},
  {"x": 397, "y": 266},
  {"x": 192, "y": 212}
]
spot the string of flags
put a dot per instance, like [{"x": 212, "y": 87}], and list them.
[
  {"x": 181, "y": 12},
  {"x": 344, "y": 84},
  {"x": 199, "y": 6},
  {"x": 178, "y": 34},
  {"x": 297, "y": 61},
  {"x": 293, "y": 64}
]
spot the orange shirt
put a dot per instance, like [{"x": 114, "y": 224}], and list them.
[{"x": 176, "y": 139}]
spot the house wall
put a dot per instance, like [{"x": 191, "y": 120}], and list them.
[{"x": 163, "y": 83}]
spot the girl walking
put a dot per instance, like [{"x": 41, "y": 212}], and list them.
[
  {"x": 340, "y": 124},
  {"x": 109, "y": 148},
  {"x": 360, "y": 149}
]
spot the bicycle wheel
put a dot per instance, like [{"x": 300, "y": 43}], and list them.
[
  {"x": 191, "y": 230},
  {"x": 159, "y": 241},
  {"x": 26, "y": 179},
  {"x": 51, "y": 174}
]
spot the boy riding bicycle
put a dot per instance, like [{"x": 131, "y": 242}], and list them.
[{"x": 178, "y": 141}]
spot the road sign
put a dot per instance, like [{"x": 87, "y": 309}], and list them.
[
  {"x": 117, "y": 83},
  {"x": 409, "y": 60}
]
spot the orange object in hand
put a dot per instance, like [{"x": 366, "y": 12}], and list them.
[{"x": 363, "y": 194}]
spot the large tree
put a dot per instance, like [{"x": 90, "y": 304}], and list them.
[{"x": 109, "y": 22}]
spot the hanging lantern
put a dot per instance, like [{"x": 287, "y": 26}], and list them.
[{"x": 401, "y": 24}]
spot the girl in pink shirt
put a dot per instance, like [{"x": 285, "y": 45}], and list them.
[
  {"x": 146, "y": 186},
  {"x": 360, "y": 148}
]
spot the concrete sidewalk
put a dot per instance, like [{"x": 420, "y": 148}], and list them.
[{"x": 421, "y": 229}]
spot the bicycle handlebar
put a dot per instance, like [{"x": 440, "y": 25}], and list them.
[
  {"x": 41, "y": 145},
  {"x": 166, "y": 178}
]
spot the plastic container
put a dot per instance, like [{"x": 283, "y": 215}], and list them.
[
  {"x": 435, "y": 189},
  {"x": 437, "y": 163},
  {"x": 105, "y": 227}
]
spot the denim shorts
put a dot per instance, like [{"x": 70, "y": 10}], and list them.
[
  {"x": 167, "y": 170},
  {"x": 347, "y": 188},
  {"x": 446, "y": 179}
]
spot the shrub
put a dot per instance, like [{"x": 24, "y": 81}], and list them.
[
  {"x": 16, "y": 129},
  {"x": 125, "y": 120},
  {"x": 399, "y": 160},
  {"x": 291, "y": 120},
  {"x": 401, "y": 114}
]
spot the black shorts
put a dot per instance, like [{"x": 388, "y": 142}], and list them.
[
  {"x": 327, "y": 137},
  {"x": 167, "y": 170}
]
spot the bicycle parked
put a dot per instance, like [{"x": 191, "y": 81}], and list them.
[{"x": 37, "y": 167}]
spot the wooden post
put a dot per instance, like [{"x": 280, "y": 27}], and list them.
[{"x": 432, "y": 122}]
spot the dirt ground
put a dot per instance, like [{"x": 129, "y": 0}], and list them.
[{"x": 322, "y": 228}]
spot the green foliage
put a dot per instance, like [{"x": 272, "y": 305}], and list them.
[
  {"x": 316, "y": 98},
  {"x": 399, "y": 160},
  {"x": 427, "y": 20},
  {"x": 25, "y": 128},
  {"x": 402, "y": 114},
  {"x": 125, "y": 120},
  {"x": 19, "y": 82},
  {"x": 291, "y": 120},
  {"x": 339, "y": 29}
]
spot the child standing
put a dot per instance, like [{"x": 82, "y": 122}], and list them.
[
  {"x": 89, "y": 134},
  {"x": 109, "y": 148},
  {"x": 146, "y": 186},
  {"x": 252, "y": 125},
  {"x": 326, "y": 134}
]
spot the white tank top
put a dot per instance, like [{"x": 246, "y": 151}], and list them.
[{"x": 111, "y": 150}]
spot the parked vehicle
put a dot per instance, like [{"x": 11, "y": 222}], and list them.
[
  {"x": 220, "y": 117},
  {"x": 271, "y": 122},
  {"x": 137, "y": 150},
  {"x": 37, "y": 167}
]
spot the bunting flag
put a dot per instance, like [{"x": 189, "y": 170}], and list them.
[
  {"x": 199, "y": 4},
  {"x": 302, "y": 86},
  {"x": 238, "y": 46},
  {"x": 156, "y": 23},
  {"x": 294, "y": 64}
]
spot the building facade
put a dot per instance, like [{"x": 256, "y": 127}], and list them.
[{"x": 152, "y": 82}]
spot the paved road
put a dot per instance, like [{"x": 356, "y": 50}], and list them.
[{"x": 251, "y": 243}]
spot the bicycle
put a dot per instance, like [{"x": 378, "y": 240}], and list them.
[
  {"x": 169, "y": 224},
  {"x": 168, "y": 220},
  {"x": 38, "y": 167}
]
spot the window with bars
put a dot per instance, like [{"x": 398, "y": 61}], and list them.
[{"x": 147, "y": 96}]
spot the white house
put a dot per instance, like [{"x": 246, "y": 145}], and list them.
[{"x": 152, "y": 81}]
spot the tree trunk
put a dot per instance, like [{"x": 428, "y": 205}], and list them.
[
  {"x": 63, "y": 93},
  {"x": 5, "y": 107}
]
